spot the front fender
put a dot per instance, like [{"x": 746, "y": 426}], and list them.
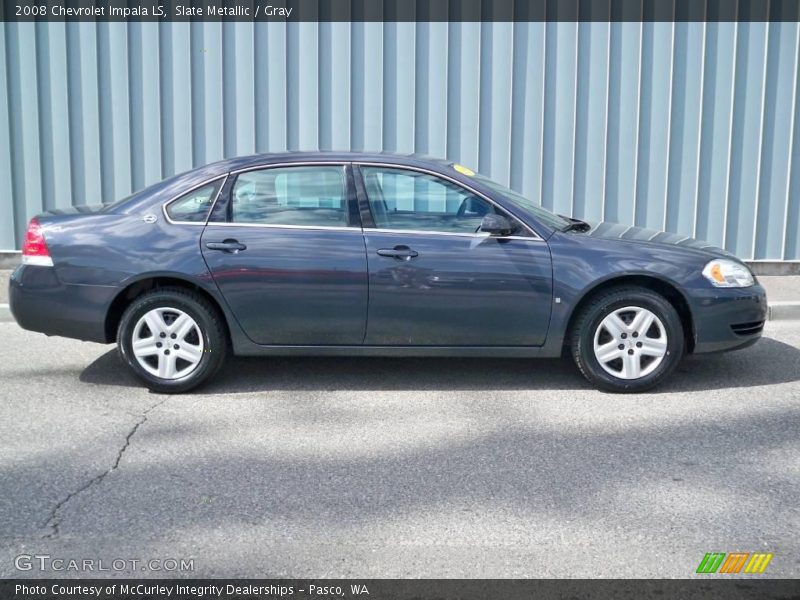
[{"x": 583, "y": 264}]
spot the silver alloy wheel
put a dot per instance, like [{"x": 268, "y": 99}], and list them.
[
  {"x": 167, "y": 343},
  {"x": 630, "y": 342}
]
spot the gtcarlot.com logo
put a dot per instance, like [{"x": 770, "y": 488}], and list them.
[
  {"x": 719, "y": 562},
  {"x": 45, "y": 562}
]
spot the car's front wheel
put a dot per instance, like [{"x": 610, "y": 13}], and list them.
[
  {"x": 172, "y": 339},
  {"x": 627, "y": 339}
]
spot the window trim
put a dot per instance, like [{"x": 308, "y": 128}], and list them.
[
  {"x": 202, "y": 223},
  {"x": 362, "y": 189},
  {"x": 353, "y": 167}
]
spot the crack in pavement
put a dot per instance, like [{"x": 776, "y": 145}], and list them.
[{"x": 54, "y": 519}]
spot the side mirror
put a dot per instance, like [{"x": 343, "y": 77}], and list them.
[{"x": 496, "y": 225}]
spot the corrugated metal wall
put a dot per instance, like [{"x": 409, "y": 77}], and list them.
[{"x": 691, "y": 127}]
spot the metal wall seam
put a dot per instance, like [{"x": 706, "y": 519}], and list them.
[
  {"x": 605, "y": 121},
  {"x": 8, "y": 209},
  {"x": 688, "y": 95},
  {"x": 670, "y": 109},
  {"x": 44, "y": 103},
  {"x": 655, "y": 115},
  {"x": 747, "y": 136},
  {"x": 700, "y": 129},
  {"x": 244, "y": 102},
  {"x": 166, "y": 100},
  {"x": 638, "y": 122},
  {"x": 792, "y": 145},
  {"x": 734, "y": 77},
  {"x": 571, "y": 195},
  {"x": 24, "y": 119},
  {"x": 759, "y": 161}
]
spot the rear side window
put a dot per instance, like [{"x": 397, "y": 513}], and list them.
[
  {"x": 302, "y": 196},
  {"x": 193, "y": 207}
]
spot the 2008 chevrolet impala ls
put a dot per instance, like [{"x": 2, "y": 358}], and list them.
[{"x": 373, "y": 254}]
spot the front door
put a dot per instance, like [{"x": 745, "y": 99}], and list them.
[
  {"x": 434, "y": 280},
  {"x": 289, "y": 258}
]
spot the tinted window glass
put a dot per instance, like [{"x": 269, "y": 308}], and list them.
[
  {"x": 542, "y": 214},
  {"x": 402, "y": 199},
  {"x": 194, "y": 206},
  {"x": 309, "y": 196}
]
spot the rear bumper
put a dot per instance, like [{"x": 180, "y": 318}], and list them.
[
  {"x": 728, "y": 319},
  {"x": 40, "y": 302}
]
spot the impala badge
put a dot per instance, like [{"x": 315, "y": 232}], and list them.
[{"x": 150, "y": 218}]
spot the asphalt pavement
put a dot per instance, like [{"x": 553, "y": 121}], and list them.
[{"x": 315, "y": 467}]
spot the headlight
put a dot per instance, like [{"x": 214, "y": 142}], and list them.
[{"x": 728, "y": 274}]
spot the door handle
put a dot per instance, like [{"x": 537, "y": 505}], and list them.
[
  {"x": 399, "y": 252},
  {"x": 230, "y": 246}
]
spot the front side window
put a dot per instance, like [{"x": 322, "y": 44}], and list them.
[
  {"x": 193, "y": 206},
  {"x": 301, "y": 196},
  {"x": 410, "y": 200}
]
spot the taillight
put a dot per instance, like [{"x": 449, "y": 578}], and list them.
[{"x": 35, "y": 250}]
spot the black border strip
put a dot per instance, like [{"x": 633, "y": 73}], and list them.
[
  {"x": 403, "y": 10},
  {"x": 712, "y": 588}
]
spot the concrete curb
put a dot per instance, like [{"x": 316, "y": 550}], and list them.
[
  {"x": 784, "y": 311},
  {"x": 5, "y": 314},
  {"x": 9, "y": 259},
  {"x": 774, "y": 267}
]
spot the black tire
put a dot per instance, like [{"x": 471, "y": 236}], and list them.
[
  {"x": 582, "y": 337},
  {"x": 209, "y": 321}
]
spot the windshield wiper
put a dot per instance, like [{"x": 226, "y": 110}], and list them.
[{"x": 575, "y": 225}]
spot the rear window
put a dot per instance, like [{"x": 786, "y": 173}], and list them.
[
  {"x": 300, "y": 196},
  {"x": 193, "y": 206}
]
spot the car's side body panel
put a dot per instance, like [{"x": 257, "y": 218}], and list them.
[
  {"x": 293, "y": 285},
  {"x": 583, "y": 263},
  {"x": 395, "y": 351},
  {"x": 39, "y": 301},
  {"x": 96, "y": 258},
  {"x": 461, "y": 290}
]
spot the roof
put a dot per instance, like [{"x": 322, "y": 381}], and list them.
[
  {"x": 243, "y": 162},
  {"x": 182, "y": 181}
]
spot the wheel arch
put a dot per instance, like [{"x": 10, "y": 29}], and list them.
[
  {"x": 145, "y": 283},
  {"x": 665, "y": 288}
]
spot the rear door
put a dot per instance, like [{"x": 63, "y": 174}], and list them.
[
  {"x": 286, "y": 249},
  {"x": 435, "y": 280}
]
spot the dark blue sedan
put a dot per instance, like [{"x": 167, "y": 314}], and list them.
[{"x": 373, "y": 254}]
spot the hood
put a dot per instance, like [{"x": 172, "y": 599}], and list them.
[{"x": 615, "y": 231}]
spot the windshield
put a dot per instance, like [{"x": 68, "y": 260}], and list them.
[{"x": 544, "y": 215}]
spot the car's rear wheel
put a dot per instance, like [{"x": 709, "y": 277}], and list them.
[
  {"x": 627, "y": 339},
  {"x": 172, "y": 339}
]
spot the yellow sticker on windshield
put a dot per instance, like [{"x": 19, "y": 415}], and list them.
[{"x": 464, "y": 170}]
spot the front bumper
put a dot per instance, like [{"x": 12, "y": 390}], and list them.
[
  {"x": 39, "y": 301},
  {"x": 728, "y": 319}
]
